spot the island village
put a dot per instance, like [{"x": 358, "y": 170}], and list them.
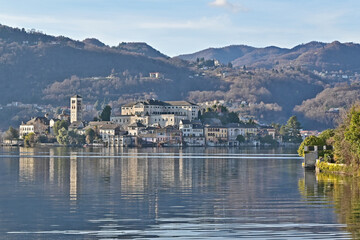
[{"x": 146, "y": 123}]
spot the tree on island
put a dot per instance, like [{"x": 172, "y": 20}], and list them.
[
  {"x": 63, "y": 136},
  {"x": 29, "y": 140},
  {"x": 11, "y": 134},
  {"x": 59, "y": 125},
  {"x": 106, "y": 113},
  {"x": 90, "y": 135}
]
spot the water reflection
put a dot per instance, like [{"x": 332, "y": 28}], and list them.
[
  {"x": 342, "y": 191},
  {"x": 161, "y": 193}
]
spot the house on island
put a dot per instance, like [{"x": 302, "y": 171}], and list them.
[
  {"x": 236, "y": 129},
  {"x": 156, "y": 113},
  {"x": 37, "y": 125},
  {"x": 192, "y": 132},
  {"x": 216, "y": 135}
]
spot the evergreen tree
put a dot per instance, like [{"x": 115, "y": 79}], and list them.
[
  {"x": 291, "y": 131},
  {"x": 106, "y": 113}
]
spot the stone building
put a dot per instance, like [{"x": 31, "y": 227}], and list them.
[{"x": 75, "y": 109}]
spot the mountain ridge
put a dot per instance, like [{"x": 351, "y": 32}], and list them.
[
  {"x": 313, "y": 55},
  {"x": 37, "y": 68}
]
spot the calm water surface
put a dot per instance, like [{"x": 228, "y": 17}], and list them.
[{"x": 192, "y": 193}]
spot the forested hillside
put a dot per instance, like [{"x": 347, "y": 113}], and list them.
[{"x": 43, "y": 69}]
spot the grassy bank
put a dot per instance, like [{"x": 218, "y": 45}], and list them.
[{"x": 335, "y": 168}]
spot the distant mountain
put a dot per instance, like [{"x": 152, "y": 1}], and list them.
[
  {"x": 94, "y": 42},
  {"x": 224, "y": 55},
  {"x": 140, "y": 48},
  {"x": 314, "y": 56}
]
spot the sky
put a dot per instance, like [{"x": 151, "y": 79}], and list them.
[{"x": 185, "y": 26}]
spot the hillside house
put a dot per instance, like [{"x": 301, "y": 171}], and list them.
[{"x": 156, "y": 75}]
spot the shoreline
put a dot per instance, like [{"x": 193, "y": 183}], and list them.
[{"x": 336, "y": 169}]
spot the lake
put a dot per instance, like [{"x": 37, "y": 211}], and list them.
[{"x": 167, "y": 193}]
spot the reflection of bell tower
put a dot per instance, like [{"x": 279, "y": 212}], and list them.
[
  {"x": 73, "y": 178},
  {"x": 75, "y": 108}
]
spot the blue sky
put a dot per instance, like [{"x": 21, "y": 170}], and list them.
[{"x": 184, "y": 26}]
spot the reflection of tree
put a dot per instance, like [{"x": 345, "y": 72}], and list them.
[{"x": 343, "y": 191}]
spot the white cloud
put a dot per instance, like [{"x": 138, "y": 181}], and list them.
[
  {"x": 234, "y": 7},
  {"x": 204, "y": 23}
]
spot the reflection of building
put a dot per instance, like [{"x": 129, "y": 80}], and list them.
[
  {"x": 26, "y": 165},
  {"x": 134, "y": 174},
  {"x": 75, "y": 108},
  {"x": 73, "y": 178}
]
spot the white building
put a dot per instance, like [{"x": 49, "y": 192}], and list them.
[
  {"x": 108, "y": 131},
  {"x": 235, "y": 129},
  {"x": 135, "y": 128},
  {"x": 156, "y": 107},
  {"x": 156, "y": 113},
  {"x": 38, "y": 125},
  {"x": 192, "y": 132}
]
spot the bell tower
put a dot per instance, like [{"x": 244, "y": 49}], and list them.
[{"x": 75, "y": 108}]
